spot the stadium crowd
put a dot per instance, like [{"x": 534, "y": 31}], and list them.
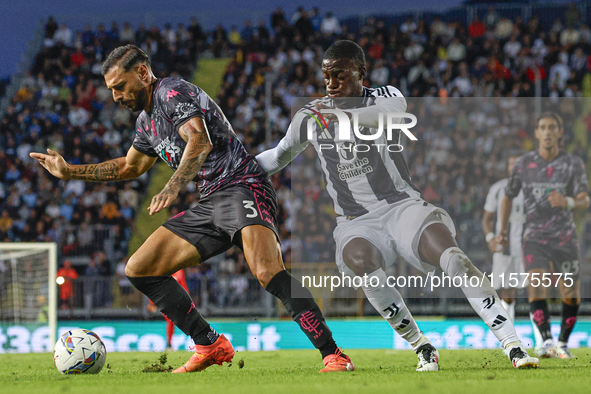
[
  {"x": 64, "y": 105},
  {"x": 454, "y": 164}
]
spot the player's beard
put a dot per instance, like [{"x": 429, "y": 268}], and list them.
[{"x": 141, "y": 100}]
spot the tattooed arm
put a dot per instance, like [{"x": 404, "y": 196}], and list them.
[
  {"x": 194, "y": 132},
  {"x": 129, "y": 167}
]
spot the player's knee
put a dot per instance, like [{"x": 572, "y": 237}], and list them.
[
  {"x": 454, "y": 262},
  {"x": 136, "y": 266},
  {"x": 131, "y": 267},
  {"x": 265, "y": 271},
  {"x": 571, "y": 301},
  {"x": 361, "y": 257}
]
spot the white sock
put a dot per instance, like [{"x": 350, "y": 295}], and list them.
[
  {"x": 510, "y": 308},
  {"x": 537, "y": 333},
  {"x": 483, "y": 299},
  {"x": 389, "y": 303}
]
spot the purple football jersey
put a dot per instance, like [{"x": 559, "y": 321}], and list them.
[
  {"x": 538, "y": 177},
  {"x": 175, "y": 101}
]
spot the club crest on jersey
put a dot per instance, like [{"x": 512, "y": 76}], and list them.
[
  {"x": 346, "y": 151},
  {"x": 549, "y": 171},
  {"x": 184, "y": 110}
]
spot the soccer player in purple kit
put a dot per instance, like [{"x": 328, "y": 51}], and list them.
[
  {"x": 182, "y": 125},
  {"x": 554, "y": 183}
]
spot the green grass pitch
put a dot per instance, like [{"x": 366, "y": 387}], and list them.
[{"x": 296, "y": 371}]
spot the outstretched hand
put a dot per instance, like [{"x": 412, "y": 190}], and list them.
[
  {"x": 162, "y": 200},
  {"x": 52, "y": 162}
]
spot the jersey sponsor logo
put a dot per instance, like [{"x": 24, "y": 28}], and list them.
[
  {"x": 184, "y": 110},
  {"x": 541, "y": 189},
  {"x": 352, "y": 170},
  {"x": 167, "y": 150},
  {"x": 170, "y": 94}
]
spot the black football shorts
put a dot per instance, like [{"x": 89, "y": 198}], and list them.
[
  {"x": 214, "y": 224},
  {"x": 564, "y": 258}
]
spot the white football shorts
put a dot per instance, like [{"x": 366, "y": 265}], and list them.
[{"x": 395, "y": 229}]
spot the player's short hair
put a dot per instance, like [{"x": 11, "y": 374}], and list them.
[
  {"x": 126, "y": 56},
  {"x": 346, "y": 49},
  {"x": 552, "y": 115}
]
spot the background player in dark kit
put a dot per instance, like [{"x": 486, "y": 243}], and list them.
[
  {"x": 180, "y": 123},
  {"x": 554, "y": 183}
]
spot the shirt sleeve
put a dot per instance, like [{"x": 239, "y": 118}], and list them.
[
  {"x": 579, "y": 178},
  {"x": 389, "y": 100},
  {"x": 275, "y": 159},
  {"x": 179, "y": 103},
  {"x": 141, "y": 143},
  {"x": 514, "y": 185},
  {"x": 491, "y": 199}
]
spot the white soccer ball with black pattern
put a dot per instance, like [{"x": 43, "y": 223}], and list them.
[{"x": 79, "y": 351}]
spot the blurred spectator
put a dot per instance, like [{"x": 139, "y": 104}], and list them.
[
  {"x": 125, "y": 288},
  {"x": 503, "y": 28},
  {"x": 572, "y": 15},
  {"x": 330, "y": 24},
  {"x": 234, "y": 37},
  {"x": 68, "y": 274},
  {"x": 477, "y": 28},
  {"x": 91, "y": 283},
  {"x": 64, "y": 35}
]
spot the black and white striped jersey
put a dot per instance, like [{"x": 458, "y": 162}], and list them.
[{"x": 359, "y": 172}]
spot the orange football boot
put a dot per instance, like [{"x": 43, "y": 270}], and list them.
[
  {"x": 337, "y": 362},
  {"x": 217, "y": 353}
]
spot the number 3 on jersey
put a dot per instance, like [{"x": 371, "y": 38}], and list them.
[{"x": 248, "y": 204}]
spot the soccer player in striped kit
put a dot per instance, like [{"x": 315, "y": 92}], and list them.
[
  {"x": 381, "y": 214},
  {"x": 505, "y": 260}
]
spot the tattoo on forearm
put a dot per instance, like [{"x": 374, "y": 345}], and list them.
[
  {"x": 108, "y": 171},
  {"x": 196, "y": 152}
]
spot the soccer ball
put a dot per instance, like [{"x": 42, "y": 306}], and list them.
[{"x": 79, "y": 351}]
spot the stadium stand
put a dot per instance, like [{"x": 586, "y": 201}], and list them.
[{"x": 63, "y": 104}]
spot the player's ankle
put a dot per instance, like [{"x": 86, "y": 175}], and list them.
[
  {"x": 422, "y": 341},
  {"x": 511, "y": 345}
]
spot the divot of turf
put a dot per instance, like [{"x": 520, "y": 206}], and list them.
[{"x": 161, "y": 366}]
